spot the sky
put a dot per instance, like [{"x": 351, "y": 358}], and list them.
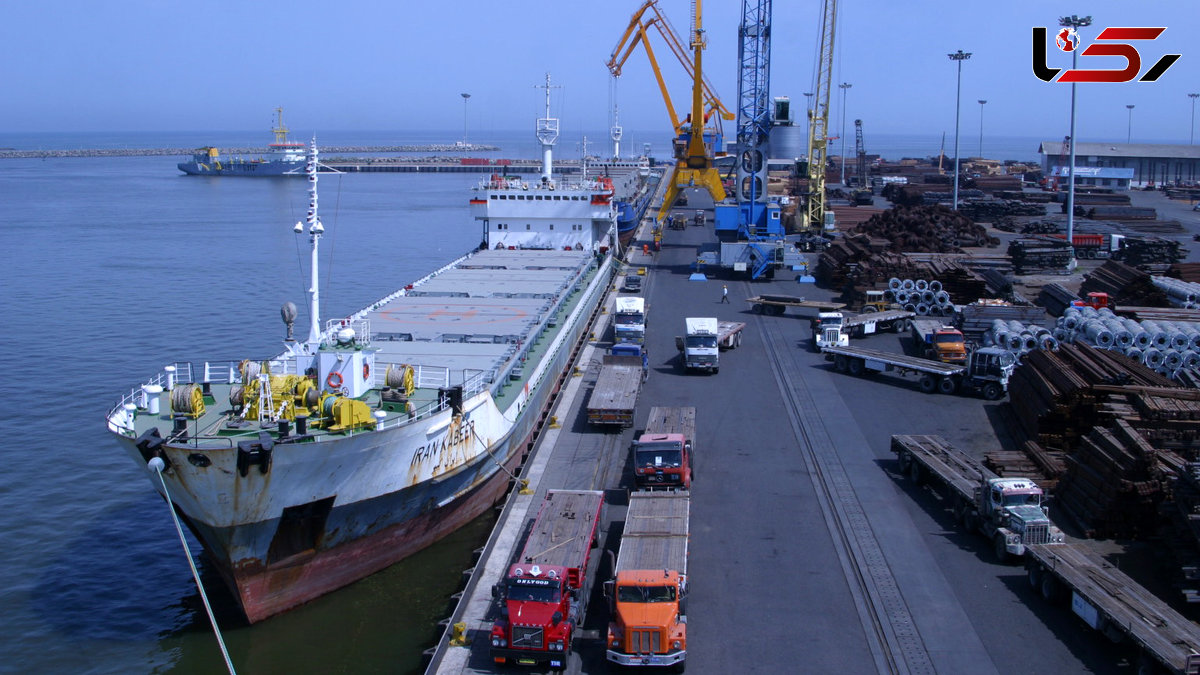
[{"x": 221, "y": 65}]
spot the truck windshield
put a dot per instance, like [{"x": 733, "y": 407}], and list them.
[
  {"x": 626, "y": 319},
  {"x": 1022, "y": 500},
  {"x": 646, "y": 594},
  {"x": 702, "y": 341},
  {"x": 948, "y": 338},
  {"x": 533, "y": 593},
  {"x": 666, "y": 454},
  {"x": 831, "y": 321}
]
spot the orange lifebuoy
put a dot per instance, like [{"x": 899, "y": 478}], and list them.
[
  {"x": 334, "y": 380},
  {"x": 366, "y": 371}
]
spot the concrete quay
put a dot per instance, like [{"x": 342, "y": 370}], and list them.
[{"x": 810, "y": 552}]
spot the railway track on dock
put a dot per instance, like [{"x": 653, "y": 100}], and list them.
[{"x": 895, "y": 643}]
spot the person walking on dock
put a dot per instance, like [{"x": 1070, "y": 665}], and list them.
[{"x": 725, "y": 294}]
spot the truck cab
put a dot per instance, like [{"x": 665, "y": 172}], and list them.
[
  {"x": 650, "y": 624},
  {"x": 1015, "y": 517},
  {"x": 662, "y": 461},
  {"x": 940, "y": 342},
  {"x": 699, "y": 345},
  {"x": 535, "y": 624},
  {"x": 629, "y": 325},
  {"x": 876, "y": 302},
  {"x": 827, "y": 331},
  {"x": 632, "y": 349}
]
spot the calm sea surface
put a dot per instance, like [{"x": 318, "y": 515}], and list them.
[{"x": 113, "y": 268}]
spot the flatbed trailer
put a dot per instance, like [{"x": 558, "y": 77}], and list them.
[
  {"x": 1008, "y": 511},
  {"x": 729, "y": 334},
  {"x": 986, "y": 371},
  {"x": 1109, "y": 601},
  {"x": 778, "y": 304},
  {"x": 614, "y": 398},
  {"x": 869, "y": 323}
]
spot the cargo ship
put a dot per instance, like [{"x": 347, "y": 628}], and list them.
[
  {"x": 383, "y": 431},
  {"x": 635, "y": 185},
  {"x": 283, "y": 158}
]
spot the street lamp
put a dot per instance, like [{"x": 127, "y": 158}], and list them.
[
  {"x": 981, "y": 103},
  {"x": 844, "y": 86},
  {"x": 958, "y": 57},
  {"x": 1192, "y": 129},
  {"x": 1129, "y": 130},
  {"x": 1073, "y": 22},
  {"x": 465, "y": 98}
]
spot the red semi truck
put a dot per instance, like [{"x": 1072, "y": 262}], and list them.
[
  {"x": 662, "y": 455},
  {"x": 543, "y": 598}
]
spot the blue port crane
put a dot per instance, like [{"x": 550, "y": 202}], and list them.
[{"x": 753, "y": 222}]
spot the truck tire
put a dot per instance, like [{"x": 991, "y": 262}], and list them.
[
  {"x": 1050, "y": 587},
  {"x": 928, "y": 384},
  {"x": 947, "y": 385},
  {"x": 780, "y": 309},
  {"x": 1034, "y": 574},
  {"x": 758, "y": 308},
  {"x": 679, "y": 667},
  {"x": 992, "y": 391},
  {"x": 1001, "y": 549},
  {"x": 902, "y": 326},
  {"x": 841, "y": 363},
  {"x": 867, "y": 309},
  {"x": 915, "y": 472},
  {"x": 857, "y": 367},
  {"x": 716, "y": 369},
  {"x": 970, "y": 520}
]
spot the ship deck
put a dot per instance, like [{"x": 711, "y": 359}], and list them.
[{"x": 482, "y": 322}]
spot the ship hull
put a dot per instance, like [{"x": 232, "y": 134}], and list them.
[
  {"x": 244, "y": 169},
  {"x": 365, "y": 501}
]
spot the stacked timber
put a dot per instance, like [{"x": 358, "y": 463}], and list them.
[
  {"x": 927, "y": 229},
  {"x": 932, "y": 197},
  {"x": 1032, "y": 461},
  {"x": 1152, "y": 254},
  {"x": 1055, "y": 298},
  {"x": 1039, "y": 255},
  {"x": 1185, "y": 271},
  {"x": 1124, "y": 284},
  {"x": 993, "y": 184},
  {"x": 855, "y": 263},
  {"x": 1057, "y": 397},
  {"x": 992, "y": 210},
  {"x": 1112, "y": 486},
  {"x": 1120, "y": 212}
]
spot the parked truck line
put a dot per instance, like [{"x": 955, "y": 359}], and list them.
[
  {"x": 1009, "y": 511},
  {"x": 543, "y": 598},
  {"x": 648, "y": 592}
]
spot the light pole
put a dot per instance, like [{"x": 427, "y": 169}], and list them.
[
  {"x": 1129, "y": 130},
  {"x": 981, "y": 104},
  {"x": 1192, "y": 129},
  {"x": 958, "y": 57},
  {"x": 1073, "y": 22},
  {"x": 465, "y": 97},
  {"x": 844, "y": 86}
]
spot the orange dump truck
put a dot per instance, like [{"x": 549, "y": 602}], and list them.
[
  {"x": 649, "y": 620},
  {"x": 937, "y": 341}
]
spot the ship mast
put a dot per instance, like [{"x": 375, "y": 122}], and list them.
[
  {"x": 547, "y": 131},
  {"x": 315, "y": 230}
]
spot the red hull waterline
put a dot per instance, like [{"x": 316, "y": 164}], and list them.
[{"x": 265, "y": 593}]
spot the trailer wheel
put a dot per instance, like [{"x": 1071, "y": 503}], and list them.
[
  {"x": 758, "y": 308},
  {"x": 992, "y": 391},
  {"x": 970, "y": 521},
  {"x": 1050, "y": 588},
  {"x": 915, "y": 472},
  {"x": 928, "y": 384},
  {"x": 869, "y": 308},
  {"x": 1001, "y": 549},
  {"x": 947, "y": 385},
  {"x": 841, "y": 363},
  {"x": 780, "y": 309},
  {"x": 857, "y": 367},
  {"x": 1146, "y": 665},
  {"x": 1034, "y": 574},
  {"x": 901, "y": 326}
]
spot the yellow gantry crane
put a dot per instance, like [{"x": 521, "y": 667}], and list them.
[
  {"x": 693, "y": 151},
  {"x": 819, "y": 123}
]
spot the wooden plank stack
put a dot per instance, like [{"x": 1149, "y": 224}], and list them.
[
  {"x": 1112, "y": 486},
  {"x": 1124, "y": 284}
]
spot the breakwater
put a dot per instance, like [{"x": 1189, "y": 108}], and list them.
[{"x": 233, "y": 152}]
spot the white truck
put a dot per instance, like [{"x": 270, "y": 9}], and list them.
[
  {"x": 986, "y": 371},
  {"x": 1009, "y": 511},
  {"x": 700, "y": 348},
  {"x": 629, "y": 324},
  {"x": 834, "y": 329}
]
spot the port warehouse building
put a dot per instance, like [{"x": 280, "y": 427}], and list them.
[{"x": 1124, "y": 165}]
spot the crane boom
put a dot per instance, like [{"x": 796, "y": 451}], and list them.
[{"x": 819, "y": 121}]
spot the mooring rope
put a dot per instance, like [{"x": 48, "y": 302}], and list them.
[{"x": 157, "y": 465}]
